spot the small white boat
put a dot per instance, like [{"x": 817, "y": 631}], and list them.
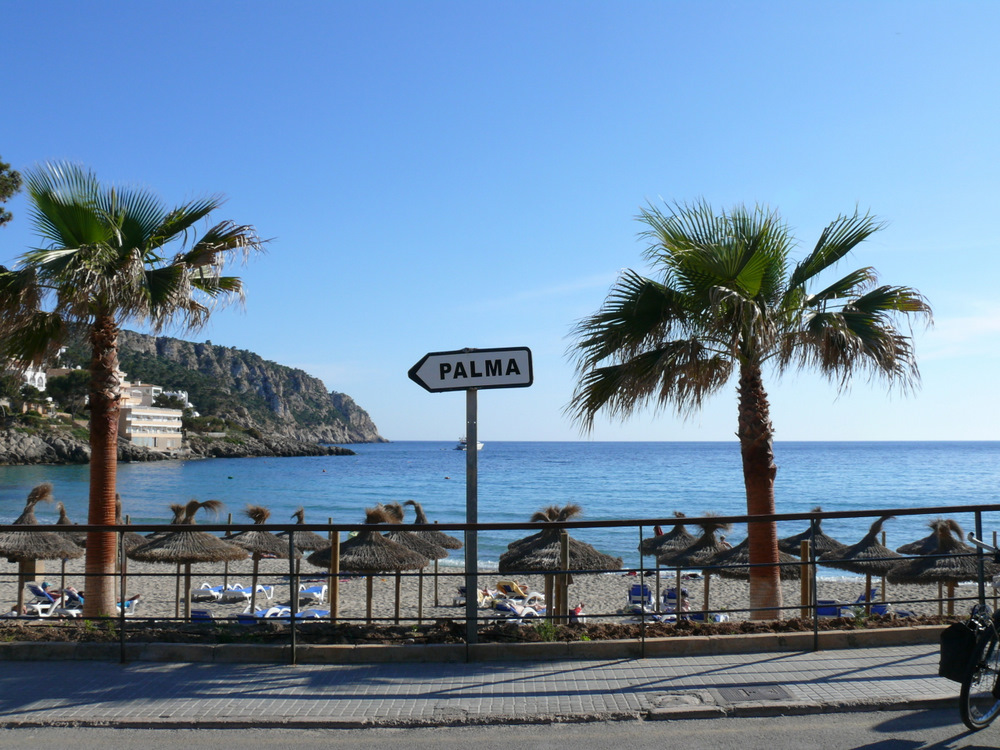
[{"x": 463, "y": 444}]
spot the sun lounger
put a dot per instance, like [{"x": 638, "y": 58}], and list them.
[
  {"x": 43, "y": 604},
  {"x": 512, "y": 589},
  {"x": 312, "y": 593},
  {"x": 237, "y": 592},
  {"x": 207, "y": 593}
]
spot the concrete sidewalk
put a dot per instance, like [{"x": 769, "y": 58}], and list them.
[{"x": 237, "y": 695}]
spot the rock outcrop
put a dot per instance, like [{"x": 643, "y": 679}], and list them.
[{"x": 245, "y": 389}]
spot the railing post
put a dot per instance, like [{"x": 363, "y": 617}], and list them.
[
  {"x": 980, "y": 559},
  {"x": 294, "y": 587},
  {"x": 812, "y": 573}
]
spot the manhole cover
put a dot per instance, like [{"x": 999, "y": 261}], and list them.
[{"x": 756, "y": 693}]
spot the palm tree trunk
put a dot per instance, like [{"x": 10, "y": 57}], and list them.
[
  {"x": 756, "y": 434},
  {"x": 105, "y": 392}
]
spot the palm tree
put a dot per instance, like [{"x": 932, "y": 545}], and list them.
[
  {"x": 729, "y": 300},
  {"x": 105, "y": 262}
]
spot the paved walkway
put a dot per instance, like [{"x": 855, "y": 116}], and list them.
[{"x": 236, "y": 695}]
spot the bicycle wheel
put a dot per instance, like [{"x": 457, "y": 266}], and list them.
[{"x": 979, "y": 702}]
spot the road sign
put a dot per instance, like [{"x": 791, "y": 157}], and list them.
[{"x": 474, "y": 368}]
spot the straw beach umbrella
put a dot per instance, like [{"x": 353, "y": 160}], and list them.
[
  {"x": 950, "y": 563},
  {"x": 447, "y": 541},
  {"x": 78, "y": 538},
  {"x": 261, "y": 543},
  {"x": 791, "y": 566},
  {"x": 370, "y": 554},
  {"x": 542, "y": 553},
  {"x": 820, "y": 544},
  {"x": 25, "y": 547},
  {"x": 178, "y": 510},
  {"x": 701, "y": 552},
  {"x": 928, "y": 544},
  {"x": 434, "y": 537},
  {"x": 418, "y": 544},
  {"x": 307, "y": 541},
  {"x": 188, "y": 547},
  {"x": 868, "y": 557},
  {"x": 676, "y": 539}
]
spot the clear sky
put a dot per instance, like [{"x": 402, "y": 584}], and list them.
[{"x": 440, "y": 175}]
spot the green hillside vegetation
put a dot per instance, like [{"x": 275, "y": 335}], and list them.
[{"x": 223, "y": 403}]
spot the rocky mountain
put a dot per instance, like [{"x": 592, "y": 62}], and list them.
[{"x": 244, "y": 389}]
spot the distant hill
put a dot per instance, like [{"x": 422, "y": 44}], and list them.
[{"x": 243, "y": 388}]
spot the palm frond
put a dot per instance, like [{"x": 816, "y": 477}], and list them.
[
  {"x": 841, "y": 236},
  {"x": 682, "y": 373}
]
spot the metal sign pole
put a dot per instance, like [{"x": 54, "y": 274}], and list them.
[{"x": 471, "y": 517}]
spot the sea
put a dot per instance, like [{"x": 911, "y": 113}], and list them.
[{"x": 609, "y": 480}]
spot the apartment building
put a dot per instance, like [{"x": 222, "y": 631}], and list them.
[{"x": 150, "y": 426}]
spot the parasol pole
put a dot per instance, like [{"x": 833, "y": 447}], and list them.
[
  {"x": 187, "y": 591},
  {"x": 253, "y": 582},
  {"x": 420, "y": 596},
  {"x": 368, "y": 597},
  {"x": 177, "y": 593},
  {"x": 398, "y": 585}
]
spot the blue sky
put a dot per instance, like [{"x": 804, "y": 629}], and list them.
[{"x": 444, "y": 175}]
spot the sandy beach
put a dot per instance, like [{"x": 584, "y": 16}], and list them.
[{"x": 603, "y": 595}]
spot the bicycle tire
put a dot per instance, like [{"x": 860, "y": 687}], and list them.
[{"x": 979, "y": 702}]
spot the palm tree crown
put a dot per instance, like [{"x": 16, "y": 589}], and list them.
[
  {"x": 727, "y": 299},
  {"x": 106, "y": 260}
]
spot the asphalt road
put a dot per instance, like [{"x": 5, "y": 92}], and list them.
[{"x": 914, "y": 730}]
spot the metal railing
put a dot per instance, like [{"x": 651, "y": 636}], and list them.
[{"x": 810, "y": 607}]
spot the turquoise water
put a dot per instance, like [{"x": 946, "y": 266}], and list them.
[{"x": 609, "y": 480}]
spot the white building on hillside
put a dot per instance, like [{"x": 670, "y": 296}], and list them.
[{"x": 143, "y": 424}]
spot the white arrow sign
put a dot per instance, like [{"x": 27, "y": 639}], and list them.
[{"x": 474, "y": 368}]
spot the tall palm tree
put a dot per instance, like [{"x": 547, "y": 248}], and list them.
[
  {"x": 107, "y": 261},
  {"x": 728, "y": 299}
]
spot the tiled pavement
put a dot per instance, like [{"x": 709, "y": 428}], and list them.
[{"x": 234, "y": 695}]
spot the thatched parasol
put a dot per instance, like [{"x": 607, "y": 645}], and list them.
[
  {"x": 447, "y": 541},
  {"x": 435, "y": 537},
  {"x": 307, "y": 541},
  {"x": 868, "y": 557},
  {"x": 189, "y": 547},
  {"x": 27, "y": 547},
  {"x": 418, "y": 544},
  {"x": 929, "y": 544},
  {"x": 676, "y": 539},
  {"x": 79, "y": 538},
  {"x": 791, "y": 566},
  {"x": 259, "y": 544},
  {"x": 951, "y": 563},
  {"x": 369, "y": 553},
  {"x": 178, "y": 518},
  {"x": 821, "y": 544},
  {"x": 701, "y": 552},
  {"x": 543, "y": 553}
]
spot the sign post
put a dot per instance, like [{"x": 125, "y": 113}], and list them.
[{"x": 470, "y": 370}]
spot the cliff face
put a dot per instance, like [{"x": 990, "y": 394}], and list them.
[{"x": 246, "y": 389}]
